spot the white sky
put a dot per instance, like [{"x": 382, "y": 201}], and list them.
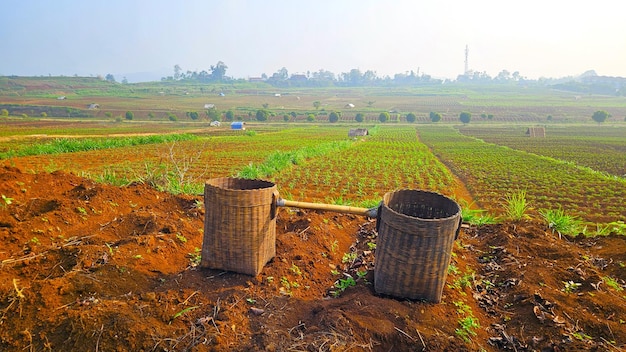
[{"x": 547, "y": 38}]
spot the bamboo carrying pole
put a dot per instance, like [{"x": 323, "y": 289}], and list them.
[{"x": 372, "y": 212}]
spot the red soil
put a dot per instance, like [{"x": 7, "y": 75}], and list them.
[{"x": 91, "y": 267}]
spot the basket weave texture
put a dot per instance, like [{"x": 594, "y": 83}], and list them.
[
  {"x": 239, "y": 224},
  {"x": 416, "y": 231}
]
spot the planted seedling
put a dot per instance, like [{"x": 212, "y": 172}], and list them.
[
  {"x": 571, "y": 286},
  {"x": 612, "y": 283},
  {"x": 195, "y": 258},
  {"x": 349, "y": 257},
  {"x": 6, "y": 200},
  {"x": 295, "y": 269}
]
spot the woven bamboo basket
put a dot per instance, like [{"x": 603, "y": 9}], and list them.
[
  {"x": 416, "y": 231},
  {"x": 240, "y": 224}
]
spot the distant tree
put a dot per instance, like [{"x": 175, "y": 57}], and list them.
[
  {"x": 317, "y": 104},
  {"x": 370, "y": 103},
  {"x": 600, "y": 116},
  {"x": 294, "y": 114},
  {"x": 150, "y": 115},
  {"x": 411, "y": 117},
  {"x": 109, "y": 77},
  {"x": 262, "y": 115},
  {"x": 310, "y": 117},
  {"x": 490, "y": 116},
  {"x": 333, "y": 117},
  {"x": 218, "y": 72},
  {"x": 383, "y": 117},
  {"x": 286, "y": 117},
  {"x": 124, "y": 80},
  {"x": 212, "y": 114},
  {"x": 44, "y": 114},
  {"x": 435, "y": 116},
  {"x": 360, "y": 117},
  {"x": 24, "y": 115},
  {"x": 177, "y": 71},
  {"x": 230, "y": 115},
  {"x": 483, "y": 115},
  {"x": 549, "y": 118},
  {"x": 108, "y": 114},
  {"x": 129, "y": 115},
  {"x": 4, "y": 112},
  {"x": 465, "y": 117},
  {"x": 172, "y": 117},
  {"x": 193, "y": 115},
  {"x": 266, "y": 105}
]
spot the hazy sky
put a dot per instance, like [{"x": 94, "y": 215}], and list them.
[{"x": 538, "y": 38}]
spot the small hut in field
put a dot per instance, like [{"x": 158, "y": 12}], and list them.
[
  {"x": 238, "y": 125},
  {"x": 536, "y": 132},
  {"x": 358, "y": 132}
]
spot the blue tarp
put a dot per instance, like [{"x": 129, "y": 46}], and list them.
[{"x": 237, "y": 125}]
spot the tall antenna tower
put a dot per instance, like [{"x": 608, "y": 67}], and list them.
[{"x": 466, "y": 59}]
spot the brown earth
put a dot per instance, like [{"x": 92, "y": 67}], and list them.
[{"x": 91, "y": 267}]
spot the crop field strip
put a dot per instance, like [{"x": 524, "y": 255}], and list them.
[
  {"x": 203, "y": 157},
  {"x": 392, "y": 158},
  {"x": 601, "y": 148},
  {"x": 491, "y": 172}
]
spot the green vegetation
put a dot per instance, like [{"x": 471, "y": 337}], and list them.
[
  {"x": 262, "y": 115},
  {"x": 489, "y": 170},
  {"x": 516, "y": 206},
  {"x": 465, "y": 117},
  {"x": 435, "y": 116},
  {"x": 562, "y": 223},
  {"x": 71, "y": 145},
  {"x": 600, "y": 116},
  {"x": 278, "y": 161}
]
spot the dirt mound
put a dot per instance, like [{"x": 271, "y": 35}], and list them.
[{"x": 87, "y": 266}]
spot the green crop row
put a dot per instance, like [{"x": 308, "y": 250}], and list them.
[
  {"x": 393, "y": 158},
  {"x": 71, "y": 145},
  {"x": 601, "y": 148},
  {"x": 491, "y": 172}
]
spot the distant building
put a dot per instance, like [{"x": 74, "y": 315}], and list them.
[
  {"x": 536, "y": 132},
  {"x": 358, "y": 132},
  {"x": 209, "y": 106},
  {"x": 349, "y": 106},
  {"x": 94, "y": 106},
  {"x": 61, "y": 98},
  {"x": 238, "y": 125},
  {"x": 215, "y": 124}
]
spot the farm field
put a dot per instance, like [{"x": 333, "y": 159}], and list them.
[
  {"x": 601, "y": 148},
  {"x": 492, "y": 171},
  {"x": 391, "y": 158},
  {"x": 101, "y": 246}
]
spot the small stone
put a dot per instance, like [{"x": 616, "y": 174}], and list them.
[{"x": 257, "y": 311}]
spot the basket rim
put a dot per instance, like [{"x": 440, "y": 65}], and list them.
[
  {"x": 218, "y": 184},
  {"x": 396, "y": 213}
]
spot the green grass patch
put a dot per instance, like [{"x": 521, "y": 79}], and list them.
[{"x": 72, "y": 145}]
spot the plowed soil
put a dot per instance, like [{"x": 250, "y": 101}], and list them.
[{"x": 91, "y": 267}]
